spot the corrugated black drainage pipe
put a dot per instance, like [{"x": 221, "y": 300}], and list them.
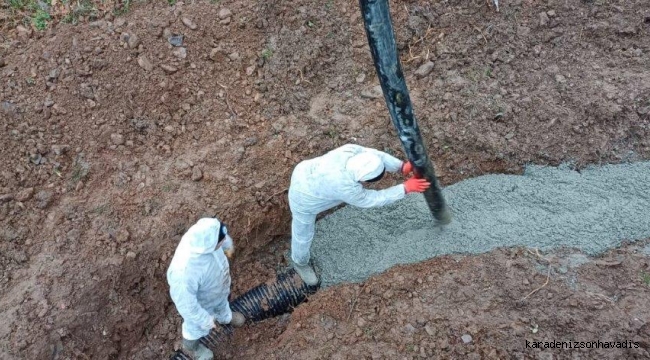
[{"x": 259, "y": 303}]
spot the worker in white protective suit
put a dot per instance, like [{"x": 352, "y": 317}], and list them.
[
  {"x": 199, "y": 283},
  {"x": 324, "y": 182}
]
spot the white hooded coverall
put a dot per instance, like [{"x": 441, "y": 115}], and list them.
[
  {"x": 199, "y": 279},
  {"x": 324, "y": 182}
]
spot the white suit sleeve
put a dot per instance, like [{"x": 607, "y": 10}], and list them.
[
  {"x": 364, "y": 198},
  {"x": 184, "y": 296}
]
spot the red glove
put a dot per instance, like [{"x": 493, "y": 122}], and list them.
[
  {"x": 416, "y": 185},
  {"x": 407, "y": 168}
]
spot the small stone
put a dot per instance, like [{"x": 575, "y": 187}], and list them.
[
  {"x": 467, "y": 338},
  {"x": 429, "y": 330},
  {"x": 374, "y": 93},
  {"x": 214, "y": 54},
  {"x": 560, "y": 78},
  {"x": 175, "y": 40},
  {"x": 59, "y": 149},
  {"x": 551, "y": 13},
  {"x": 543, "y": 19},
  {"x": 189, "y": 23},
  {"x": 224, "y": 13},
  {"x": 225, "y": 21},
  {"x": 97, "y": 24},
  {"x": 425, "y": 69},
  {"x": 119, "y": 22},
  {"x": 133, "y": 41},
  {"x": 24, "y": 32},
  {"x": 131, "y": 255},
  {"x": 180, "y": 52},
  {"x": 234, "y": 56},
  {"x": 144, "y": 63},
  {"x": 59, "y": 110},
  {"x": 361, "y": 322},
  {"x": 443, "y": 343},
  {"x": 409, "y": 329},
  {"x": 123, "y": 235},
  {"x": 117, "y": 139},
  {"x": 197, "y": 174},
  {"x": 86, "y": 91},
  {"x": 644, "y": 110},
  {"x": 168, "y": 68},
  {"x": 250, "y": 70},
  {"x": 360, "y": 78},
  {"x": 25, "y": 194},
  {"x": 43, "y": 199},
  {"x": 250, "y": 141},
  {"x": 53, "y": 75}
]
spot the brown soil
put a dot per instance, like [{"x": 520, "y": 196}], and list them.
[
  {"x": 112, "y": 146},
  {"x": 500, "y": 300}
]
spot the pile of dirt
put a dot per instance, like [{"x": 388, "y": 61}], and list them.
[
  {"x": 503, "y": 304},
  {"x": 119, "y": 134}
]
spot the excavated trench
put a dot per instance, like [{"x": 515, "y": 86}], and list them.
[{"x": 548, "y": 208}]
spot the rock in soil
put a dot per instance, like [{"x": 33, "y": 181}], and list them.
[
  {"x": 224, "y": 13},
  {"x": 425, "y": 69},
  {"x": 43, "y": 199},
  {"x": 25, "y": 194},
  {"x": 189, "y": 23},
  {"x": 168, "y": 68},
  {"x": 197, "y": 174},
  {"x": 144, "y": 63},
  {"x": 117, "y": 139},
  {"x": 180, "y": 52},
  {"x": 175, "y": 40}
]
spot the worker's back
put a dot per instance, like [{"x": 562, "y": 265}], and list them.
[{"x": 323, "y": 181}]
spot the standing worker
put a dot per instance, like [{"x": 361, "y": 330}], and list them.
[
  {"x": 199, "y": 284},
  {"x": 324, "y": 182}
]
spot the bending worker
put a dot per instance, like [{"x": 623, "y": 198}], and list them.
[
  {"x": 324, "y": 182},
  {"x": 199, "y": 284}
]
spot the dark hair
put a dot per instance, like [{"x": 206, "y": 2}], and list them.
[{"x": 378, "y": 177}]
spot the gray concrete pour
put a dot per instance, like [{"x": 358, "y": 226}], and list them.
[{"x": 546, "y": 207}]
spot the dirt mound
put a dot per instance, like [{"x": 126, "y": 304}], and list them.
[
  {"x": 503, "y": 304},
  {"x": 118, "y": 134}
]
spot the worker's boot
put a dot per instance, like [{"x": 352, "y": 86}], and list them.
[
  {"x": 196, "y": 350},
  {"x": 306, "y": 273},
  {"x": 238, "y": 319}
]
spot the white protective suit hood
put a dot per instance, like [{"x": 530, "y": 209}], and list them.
[
  {"x": 365, "y": 166},
  {"x": 202, "y": 237}
]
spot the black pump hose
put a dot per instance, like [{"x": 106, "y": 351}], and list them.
[{"x": 381, "y": 38}]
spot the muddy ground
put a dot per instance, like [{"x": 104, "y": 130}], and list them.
[{"x": 114, "y": 142}]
